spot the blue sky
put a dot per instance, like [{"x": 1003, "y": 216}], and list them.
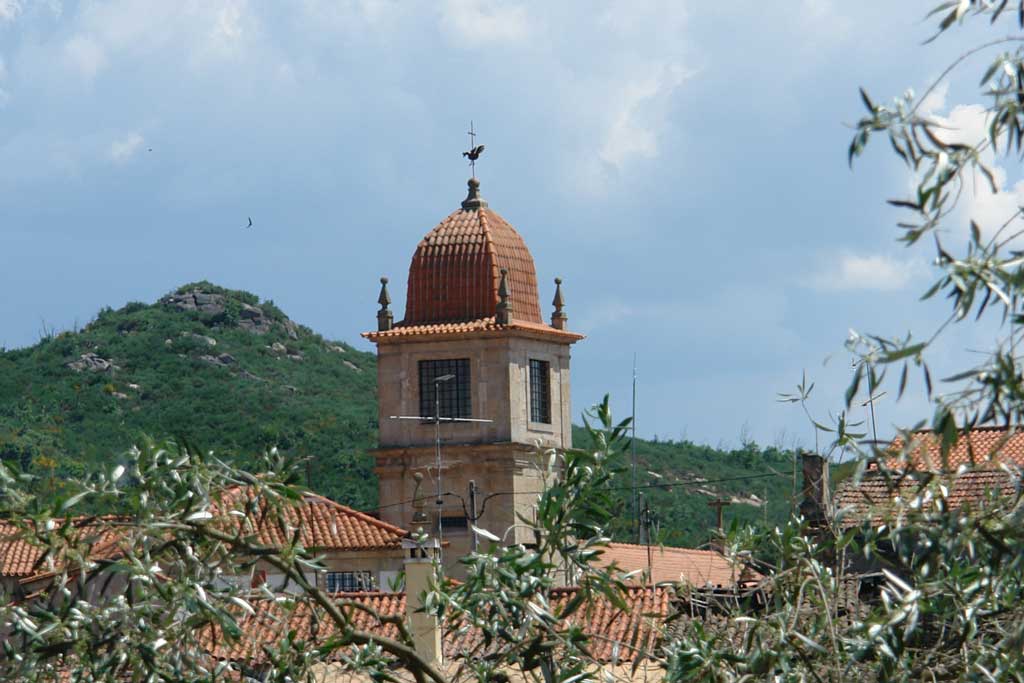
[{"x": 681, "y": 165}]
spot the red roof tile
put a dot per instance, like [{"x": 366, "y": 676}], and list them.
[
  {"x": 322, "y": 523},
  {"x": 973, "y": 470},
  {"x": 22, "y": 556},
  {"x": 455, "y": 271},
  {"x": 699, "y": 568},
  {"x": 875, "y": 497},
  {"x": 986, "y": 447},
  {"x": 470, "y": 328},
  {"x": 616, "y": 635}
]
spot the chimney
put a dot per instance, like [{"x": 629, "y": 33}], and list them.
[
  {"x": 815, "y": 504},
  {"x": 421, "y": 555},
  {"x": 420, "y": 561}
]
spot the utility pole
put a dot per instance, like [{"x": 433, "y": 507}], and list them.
[
  {"x": 719, "y": 504},
  {"x": 472, "y": 515}
]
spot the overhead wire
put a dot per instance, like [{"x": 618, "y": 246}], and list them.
[{"x": 659, "y": 485}]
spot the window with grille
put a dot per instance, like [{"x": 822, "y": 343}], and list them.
[
  {"x": 454, "y": 394},
  {"x": 540, "y": 391},
  {"x": 454, "y": 523},
  {"x": 349, "y": 582}
]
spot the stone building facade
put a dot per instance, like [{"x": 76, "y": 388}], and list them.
[{"x": 473, "y": 348}]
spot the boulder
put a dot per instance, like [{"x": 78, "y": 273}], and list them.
[
  {"x": 195, "y": 300},
  {"x": 92, "y": 363},
  {"x": 250, "y": 312},
  {"x": 223, "y": 360},
  {"x": 352, "y": 365}
]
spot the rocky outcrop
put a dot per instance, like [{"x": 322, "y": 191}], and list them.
[
  {"x": 223, "y": 360},
  {"x": 90, "y": 362},
  {"x": 280, "y": 350},
  {"x": 251, "y": 318},
  {"x": 195, "y": 300},
  {"x": 209, "y": 341}
]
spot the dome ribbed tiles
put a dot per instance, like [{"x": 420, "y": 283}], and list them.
[{"x": 455, "y": 271}]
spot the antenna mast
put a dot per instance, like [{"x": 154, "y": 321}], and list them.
[{"x": 636, "y": 501}]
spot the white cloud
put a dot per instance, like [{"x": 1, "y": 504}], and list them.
[
  {"x": 935, "y": 101},
  {"x": 85, "y": 55},
  {"x": 633, "y": 133},
  {"x": 9, "y": 10},
  {"x": 968, "y": 124},
  {"x": 124, "y": 149},
  {"x": 229, "y": 23},
  {"x": 482, "y": 22},
  {"x": 853, "y": 272}
]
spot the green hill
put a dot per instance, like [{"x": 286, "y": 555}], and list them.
[
  {"x": 235, "y": 375},
  {"x": 215, "y": 366},
  {"x": 677, "y": 480}
]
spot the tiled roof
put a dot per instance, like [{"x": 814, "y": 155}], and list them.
[
  {"x": 273, "y": 619},
  {"x": 322, "y": 523},
  {"x": 469, "y": 327},
  {"x": 616, "y": 635},
  {"x": 20, "y": 557},
  {"x": 699, "y": 568},
  {"x": 455, "y": 271},
  {"x": 874, "y": 496},
  {"x": 986, "y": 446},
  {"x": 974, "y": 469}
]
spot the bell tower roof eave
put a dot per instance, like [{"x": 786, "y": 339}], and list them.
[{"x": 475, "y": 329}]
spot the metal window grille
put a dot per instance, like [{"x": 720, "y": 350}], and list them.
[
  {"x": 451, "y": 523},
  {"x": 540, "y": 391},
  {"x": 454, "y": 394},
  {"x": 349, "y": 582}
]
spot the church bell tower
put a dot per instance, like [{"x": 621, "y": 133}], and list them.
[{"x": 472, "y": 343}]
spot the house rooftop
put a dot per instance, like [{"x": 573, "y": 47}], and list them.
[{"x": 698, "y": 568}]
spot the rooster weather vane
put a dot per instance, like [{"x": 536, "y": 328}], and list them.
[{"x": 475, "y": 150}]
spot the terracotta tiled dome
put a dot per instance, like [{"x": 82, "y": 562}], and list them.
[{"x": 456, "y": 269}]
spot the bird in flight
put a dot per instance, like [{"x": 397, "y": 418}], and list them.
[
  {"x": 474, "y": 153},
  {"x": 250, "y": 222}
]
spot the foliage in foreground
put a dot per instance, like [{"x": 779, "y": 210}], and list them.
[
  {"x": 949, "y": 579},
  {"x": 145, "y": 612}
]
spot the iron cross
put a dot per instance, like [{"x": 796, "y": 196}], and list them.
[{"x": 475, "y": 150}]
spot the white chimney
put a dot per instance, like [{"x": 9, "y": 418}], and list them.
[{"x": 420, "y": 563}]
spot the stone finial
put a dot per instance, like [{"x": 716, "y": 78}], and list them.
[
  {"x": 503, "y": 311},
  {"x": 558, "y": 318},
  {"x": 473, "y": 200},
  {"x": 385, "y": 319}
]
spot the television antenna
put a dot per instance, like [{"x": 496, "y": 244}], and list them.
[{"x": 437, "y": 420}]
